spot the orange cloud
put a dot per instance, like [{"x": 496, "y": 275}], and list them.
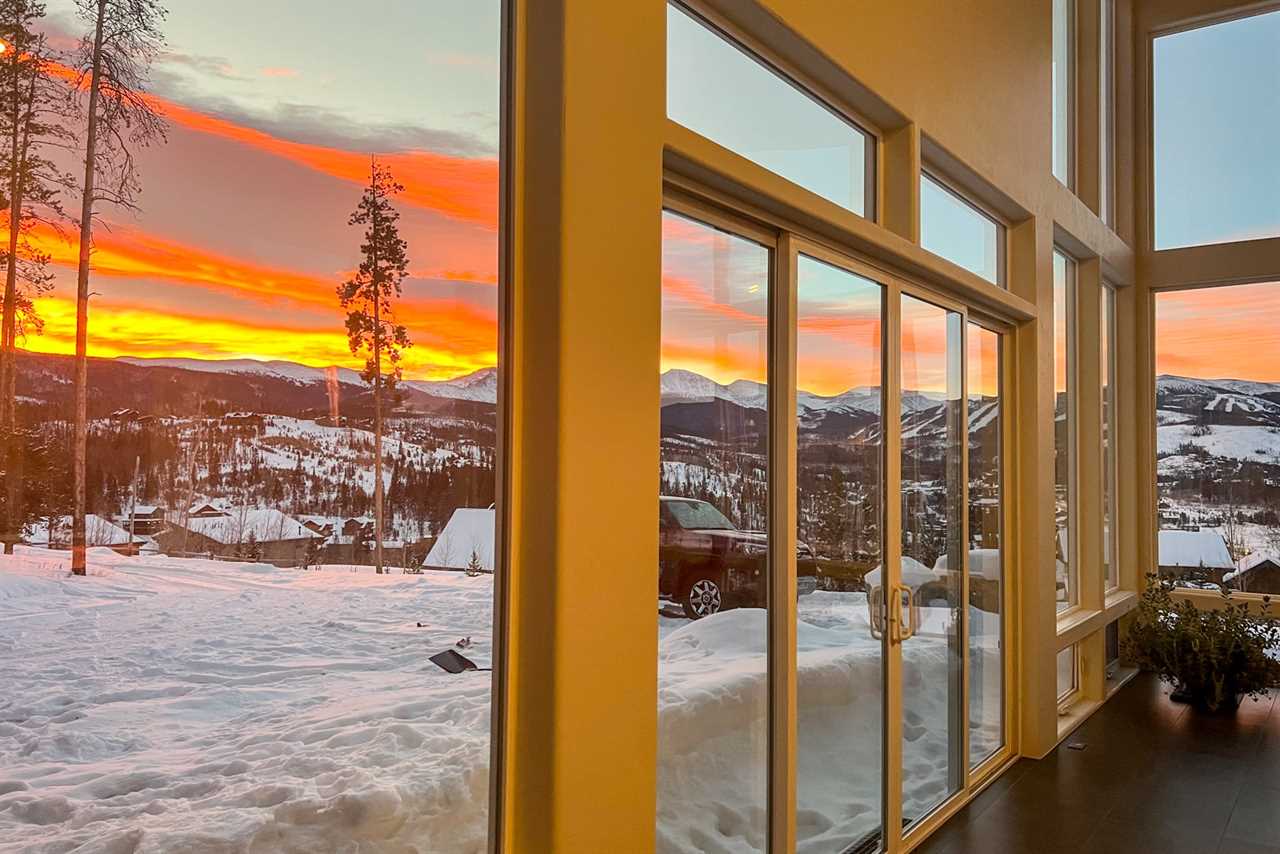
[
  {"x": 127, "y": 330},
  {"x": 130, "y": 253}
]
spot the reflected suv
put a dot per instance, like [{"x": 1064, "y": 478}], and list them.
[{"x": 706, "y": 564}]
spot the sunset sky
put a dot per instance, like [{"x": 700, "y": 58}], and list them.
[
  {"x": 242, "y": 235},
  {"x": 1222, "y": 333}
]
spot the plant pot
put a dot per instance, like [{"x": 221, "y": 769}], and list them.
[{"x": 1200, "y": 703}]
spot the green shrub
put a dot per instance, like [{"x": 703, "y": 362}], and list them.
[{"x": 1211, "y": 656}]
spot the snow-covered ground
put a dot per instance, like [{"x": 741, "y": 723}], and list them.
[
  {"x": 713, "y": 714},
  {"x": 176, "y": 705},
  {"x": 169, "y": 705}
]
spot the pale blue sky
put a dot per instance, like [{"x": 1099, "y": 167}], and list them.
[{"x": 1217, "y": 133}]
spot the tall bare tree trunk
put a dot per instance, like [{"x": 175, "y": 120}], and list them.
[
  {"x": 81, "y": 440},
  {"x": 8, "y": 328},
  {"x": 377, "y": 434}
]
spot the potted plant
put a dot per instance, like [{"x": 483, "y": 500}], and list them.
[{"x": 1212, "y": 656}]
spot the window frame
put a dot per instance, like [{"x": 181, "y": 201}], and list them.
[
  {"x": 1147, "y": 137},
  {"x": 1071, "y": 95},
  {"x": 1074, "y": 605},
  {"x": 1110, "y": 374},
  {"x": 1107, "y": 56},
  {"x": 1151, "y": 528},
  {"x": 806, "y": 87},
  {"x": 931, "y": 173},
  {"x": 714, "y": 206}
]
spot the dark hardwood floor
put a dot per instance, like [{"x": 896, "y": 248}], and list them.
[{"x": 1153, "y": 776}]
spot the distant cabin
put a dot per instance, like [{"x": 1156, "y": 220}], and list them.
[
  {"x": 148, "y": 520},
  {"x": 98, "y": 532},
  {"x": 469, "y": 531},
  {"x": 205, "y": 510},
  {"x": 258, "y": 534},
  {"x": 1198, "y": 556},
  {"x": 1256, "y": 573}
]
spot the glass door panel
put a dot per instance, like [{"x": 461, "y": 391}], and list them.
[
  {"x": 932, "y": 417},
  {"x": 712, "y": 580},
  {"x": 840, "y": 641},
  {"x": 986, "y": 545}
]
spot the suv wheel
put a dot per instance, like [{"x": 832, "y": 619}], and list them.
[{"x": 703, "y": 597}]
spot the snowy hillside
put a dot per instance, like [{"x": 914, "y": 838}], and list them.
[{"x": 275, "y": 368}]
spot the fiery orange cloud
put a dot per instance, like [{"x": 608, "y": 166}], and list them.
[
  {"x": 123, "y": 330},
  {"x": 461, "y": 188},
  {"x": 129, "y": 253}
]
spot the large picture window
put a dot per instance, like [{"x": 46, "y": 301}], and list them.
[
  {"x": 288, "y": 437},
  {"x": 1218, "y": 436},
  {"x": 1216, "y": 116},
  {"x": 730, "y": 96}
]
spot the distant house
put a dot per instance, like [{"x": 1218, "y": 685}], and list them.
[
  {"x": 205, "y": 510},
  {"x": 148, "y": 519},
  {"x": 1257, "y": 573},
  {"x": 1199, "y": 556},
  {"x": 97, "y": 532},
  {"x": 322, "y": 525},
  {"x": 243, "y": 419},
  {"x": 259, "y": 534},
  {"x": 469, "y": 531}
]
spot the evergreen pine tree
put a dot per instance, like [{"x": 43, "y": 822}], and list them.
[{"x": 368, "y": 298}]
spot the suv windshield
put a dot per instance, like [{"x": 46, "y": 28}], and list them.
[{"x": 698, "y": 515}]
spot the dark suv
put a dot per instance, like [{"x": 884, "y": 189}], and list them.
[{"x": 707, "y": 564}]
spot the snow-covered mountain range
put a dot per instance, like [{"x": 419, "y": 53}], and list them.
[{"x": 682, "y": 386}]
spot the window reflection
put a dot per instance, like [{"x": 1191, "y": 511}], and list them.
[
  {"x": 986, "y": 545},
  {"x": 712, "y": 515},
  {"x": 932, "y": 418},
  {"x": 839, "y": 657}
]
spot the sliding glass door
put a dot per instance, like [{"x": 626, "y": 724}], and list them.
[
  {"x": 931, "y": 417},
  {"x": 790, "y": 369}
]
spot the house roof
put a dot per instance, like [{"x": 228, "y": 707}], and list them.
[
  {"x": 469, "y": 530},
  {"x": 97, "y": 532},
  {"x": 265, "y": 524},
  {"x": 1257, "y": 559},
  {"x": 1204, "y": 548}
]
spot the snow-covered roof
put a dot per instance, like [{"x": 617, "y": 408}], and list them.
[
  {"x": 983, "y": 563},
  {"x": 266, "y": 524},
  {"x": 1257, "y": 559},
  {"x": 469, "y": 530},
  {"x": 1203, "y": 548},
  {"x": 97, "y": 532},
  {"x": 914, "y": 574}
]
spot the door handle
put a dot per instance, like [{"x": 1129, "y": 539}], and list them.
[
  {"x": 878, "y": 612},
  {"x": 906, "y": 621}
]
